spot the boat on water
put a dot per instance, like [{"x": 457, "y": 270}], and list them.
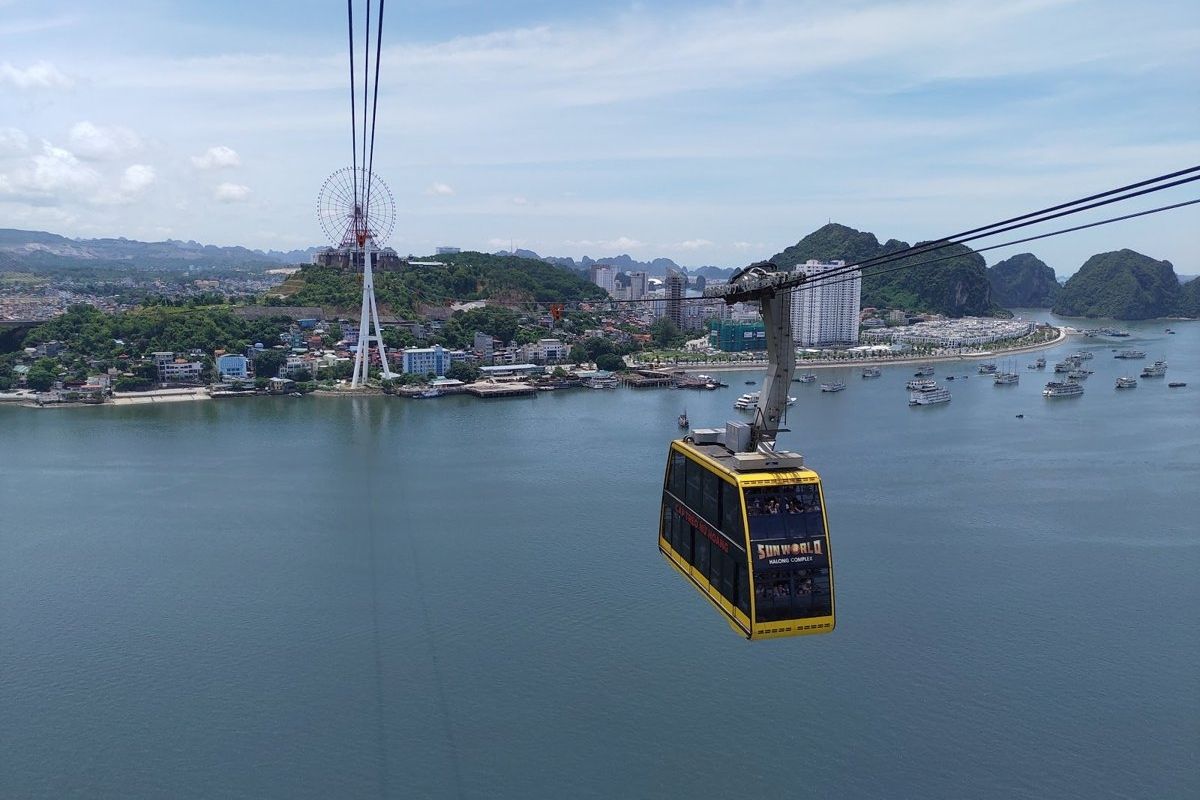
[
  {"x": 916, "y": 384},
  {"x": 835, "y": 386},
  {"x": 1005, "y": 378},
  {"x": 426, "y": 394},
  {"x": 871, "y": 372},
  {"x": 1065, "y": 366},
  {"x": 683, "y": 420},
  {"x": 746, "y": 401},
  {"x": 1040, "y": 363},
  {"x": 949, "y": 377},
  {"x": 601, "y": 382},
  {"x": 1155, "y": 370},
  {"x": 1176, "y": 384},
  {"x": 1078, "y": 374},
  {"x": 716, "y": 382},
  {"x": 923, "y": 370},
  {"x": 1125, "y": 382},
  {"x": 807, "y": 377},
  {"x": 987, "y": 369},
  {"x": 1130, "y": 354},
  {"x": 1020, "y": 416},
  {"x": 1083, "y": 355},
  {"x": 1064, "y": 389},
  {"x": 751, "y": 383},
  {"x": 928, "y": 396},
  {"x": 1168, "y": 330}
]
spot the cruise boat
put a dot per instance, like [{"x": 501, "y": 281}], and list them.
[
  {"x": 929, "y": 396},
  {"x": 1126, "y": 383},
  {"x": 987, "y": 369},
  {"x": 1005, "y": 378},
  {"x": 917, "y": 384},
  {"x": 1083, "y": 355},
  {"x": 1065, "y": 389},
  {"x": 1155, "y": 370},
  {"x": 1040, "y": 363},
  {"x": 871, "y": 372},
  {"x": 428, "y": 393},
  {"x": 1176, "y": 384},
  {"x": 835, "y": 386},
  {"x": 1130, "y": 354},
  {"x": 746, "y": 401},
  {"x": 923, "y": 370},
  {"x": 1077, "y": 374},
  {"x": 1065, "y": 366},
  {"x": 807, "y": 377},
  {"x": 601, "y": 382}
]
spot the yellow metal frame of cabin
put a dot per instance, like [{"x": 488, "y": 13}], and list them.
[{"x": 737, "y": 620}]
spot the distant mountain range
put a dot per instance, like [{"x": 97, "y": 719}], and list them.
[
  {"x": 38, "y": 249},
  {"x": 624, "y": 263}
]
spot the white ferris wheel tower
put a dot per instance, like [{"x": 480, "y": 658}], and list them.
[{"x": 357, "y": 212}]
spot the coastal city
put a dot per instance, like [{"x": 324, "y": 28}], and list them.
[{"x": 650, "y": 332}]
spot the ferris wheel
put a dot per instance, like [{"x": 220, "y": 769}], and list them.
[{"x": 355, "y": 205}]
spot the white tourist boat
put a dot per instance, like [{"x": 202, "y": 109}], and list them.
[
  {"x": 923, "y": 370},
  {"x": 834, "y": 386},
  {"x": 1065, "y": 389},
  {"x": 987, "y": 369},
  {"x": 917, "y": 384},
  {"x": 1125, "y": 382},
  {"x": 807, "y": 377},
  {"x": 871, "y": 372},
  {"x": 1078, "y": 374},
  {"x": 1005, "y": 378},
  {"x": 1083, "y": 355},
  {"x": 928, "y": 396},
  {"x": 1155, "y": 370},
  {"x": 601, "y": 382},
  {"x": 749, "y": 401},
  {"x": 1130, "y": 354},
  {"x": 1040, "y": 363}
]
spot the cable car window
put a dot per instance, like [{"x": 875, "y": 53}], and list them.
[
  {"x": 729, "y": 573},
  {"x": 731, "y": 512},
  {"x": 676, "y": 479},
  {"x": 709, "y": 505},
  {"x": 716, "y": 567},
  {"x": 692, "y": 491},
  {"x": 743, "y": 591},
  {"x": 683, "y": 538},
  {"x": 668, "y": 524},
  {"x": 700, "y": 562}
]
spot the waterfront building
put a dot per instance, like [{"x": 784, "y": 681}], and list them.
[
  {"x": 424, "y": 360},
  {"x": 180, "y": 371},
  {"x": 735, "y": 337},
  {"x": 545, "y": 351},
  {"x": 675, "y": 285},
  {"x": 511, "y": 370},
  {"x": 826, "y": 313},
  {"x": 233, "y": 365},
  {"x": 484, "y": 345},
  {"x": 294, "y": 366}
]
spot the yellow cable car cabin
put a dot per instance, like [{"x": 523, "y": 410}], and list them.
[
  {"x": 741, "y": 519},
  {"x": 754, "y": 542}
]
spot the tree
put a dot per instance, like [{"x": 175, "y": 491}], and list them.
[
  {"x": 39, "y": 378},
  {"x": 462, "y": 371},
  {"x": 132, "y": 383},
  {"x": 666, "y": 333},
  {"x": 268, "y": 362},
  {"x": 610, "y": 362},
  {"x": 6, "y": 383},
  {"x": 578, "y": 354}
]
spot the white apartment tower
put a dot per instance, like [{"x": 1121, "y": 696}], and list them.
[
  {"x": 825, "y": 312},
  {"x": 604, "y": 276},
  {"x": 638, "y": 283}
]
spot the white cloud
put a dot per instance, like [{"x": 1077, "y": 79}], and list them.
[
  {"x": 57, "y": 170},
  {"x": 217, "y": 158},
  {"x": 620, "y": 243},
  {"x": 41, "y": 75},
  {"x": 231, "y": 193},
  {"x": 693, "y": 244},
  {"x": 520, "y": 201},
  {"x": 13, "y": 141},
  {"x": 748, "y": 245},
  {"x": 101, "y": 143},
  {"x": 439, "y": 190},
  {"x": 137, "y": 178}
]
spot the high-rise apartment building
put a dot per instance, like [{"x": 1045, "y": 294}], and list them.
[
  {"x": 604, "y": 276},
  {"x": 675, "y": 285},
  {"x": 638, "y": 283},
  {"x": 825, "y": 312}
]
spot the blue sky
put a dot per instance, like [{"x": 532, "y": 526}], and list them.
[{"x": 711, "y": 133}]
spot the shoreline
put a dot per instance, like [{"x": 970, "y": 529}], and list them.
[{"x": 721, "y": 366}]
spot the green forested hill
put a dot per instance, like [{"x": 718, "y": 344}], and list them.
[
  {"x": 1122, "y": 284},
  {"x": 1189, "y": 299},
  {"x": 955, "y": 286},
  {"x": 464, "y": 276},
  {"x": 1023, "y": 281}
]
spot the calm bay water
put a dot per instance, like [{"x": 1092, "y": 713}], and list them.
[{"x": 376, "y": 597}]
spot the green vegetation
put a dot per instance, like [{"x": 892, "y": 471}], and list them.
[
  {"x": 1189, "y": 299},
  {"x": 1023, "y": 281},
  {"x": 91, "y": 333},
  {"x": 955, "y": 286},
  {"x": 1123, "y": 285},
  {"x": 465, "y": 276}
]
